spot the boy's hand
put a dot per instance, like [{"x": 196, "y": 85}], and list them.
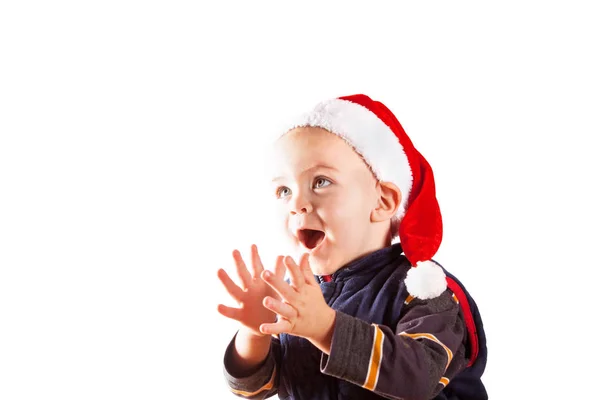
[
  {"x": 251, "y": 313},
  {"x": 302, "y": 310}
]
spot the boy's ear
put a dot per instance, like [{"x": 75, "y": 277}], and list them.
[{"x": 387, "y": 203}]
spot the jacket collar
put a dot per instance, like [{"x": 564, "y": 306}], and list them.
[{"x": 366, "y": 265}]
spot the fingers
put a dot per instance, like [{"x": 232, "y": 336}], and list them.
[
  {"x": 306, "y": 271},
  {"x": 279, "y": 285},
  {"x": 279, "y": 307},
  {"x": 230, "y": 312},
  {"x": 257, "y": 266},
  {"x": 296, "y": 276},
  {"x": 242, "y": 270},
  {"x": 233, "y": 289},
  {"x": 279, "y": 268},
  {"x": 276, "y": 328}
]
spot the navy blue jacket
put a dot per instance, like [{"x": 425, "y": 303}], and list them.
[{"x": 386, "y": 344}]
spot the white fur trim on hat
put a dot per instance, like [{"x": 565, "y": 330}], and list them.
[
  {"x": 425, "y": 281},
  {"x": 369, "y": 136}
]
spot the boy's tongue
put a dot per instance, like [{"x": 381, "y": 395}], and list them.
[{"x": 310, "y": 238}]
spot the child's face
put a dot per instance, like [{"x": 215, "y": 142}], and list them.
[{"x": 326, "y": 195}]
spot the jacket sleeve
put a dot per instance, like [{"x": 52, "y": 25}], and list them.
[
  {"x": 262, "y": 383},
  {"x": 416, "y": 361}
]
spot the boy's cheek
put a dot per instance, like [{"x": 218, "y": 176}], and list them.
[
  {"x": 279, "y": 216},
  {"x": 286, "y": 230}
]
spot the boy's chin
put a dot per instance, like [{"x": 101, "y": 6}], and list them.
[
  {"x": 321, "y": 267},
  {"x": 319, "y": 263}
]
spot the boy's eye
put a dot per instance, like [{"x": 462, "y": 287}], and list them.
[
  {"x": 283, "y": 191},
  {"x": 321, "y": 183}
]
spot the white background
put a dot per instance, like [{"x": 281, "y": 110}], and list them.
[{"x": 130, "y": 133}]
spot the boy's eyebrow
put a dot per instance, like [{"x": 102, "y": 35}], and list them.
[
  {"x": 318, "y": 166},
  {"x": 325, "y": 166}
]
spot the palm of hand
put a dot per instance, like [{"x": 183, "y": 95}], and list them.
[{"x": 251, "y": 312}]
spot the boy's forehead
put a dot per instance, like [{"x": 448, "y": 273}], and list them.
[
  {"x": 306, "y": 145},
  {"x": 307, "y": 137},
  {"x": 305, "y": 148}
]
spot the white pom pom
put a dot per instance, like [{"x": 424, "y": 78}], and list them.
[{"x": 425, "y": 281}]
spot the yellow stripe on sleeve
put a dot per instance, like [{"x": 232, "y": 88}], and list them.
[
  {"x": 267, "y": 386},
  {"x": 431, "y": 337},
  {"x": 444, "y": 381},
  {"x": 375, "y": 361}
]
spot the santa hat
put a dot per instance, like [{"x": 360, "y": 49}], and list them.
[{"x": 375, "y": 133}]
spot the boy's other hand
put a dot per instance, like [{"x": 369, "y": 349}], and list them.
[
  {"x": 251, "y": 312},
  {"x": 301, "y": 308}
]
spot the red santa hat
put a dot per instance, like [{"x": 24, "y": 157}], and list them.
[{"x": 376, "y": 134}]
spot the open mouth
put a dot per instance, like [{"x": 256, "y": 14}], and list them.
[{"x": 310, "y": 238}]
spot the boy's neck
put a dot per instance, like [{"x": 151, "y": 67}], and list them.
[{"x": 361, "y": 261}]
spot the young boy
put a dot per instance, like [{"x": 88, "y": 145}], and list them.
[{"x": 361, "y": 317}]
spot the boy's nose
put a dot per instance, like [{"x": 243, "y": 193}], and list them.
[{"x": 300, "y": 205}]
